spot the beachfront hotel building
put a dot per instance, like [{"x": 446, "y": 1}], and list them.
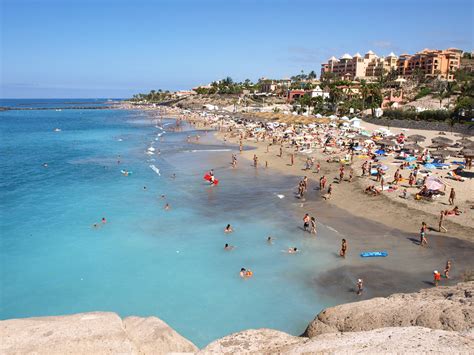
[
  {"x": 430, "y": 63},
  {"x": 359, "y": 67}
]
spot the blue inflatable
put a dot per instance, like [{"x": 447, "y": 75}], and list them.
[{"x": 371, "y": 254}]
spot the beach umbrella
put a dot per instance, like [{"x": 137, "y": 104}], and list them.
[
  {"x": 385, "y": 142},
  {"x": 442, "y": 140},
  {"x": 430, "y": 166},
  {"x": 412, "y": 147},
  {"x": 442, "y": 153},
  {"x": 438, "y": 145},
  {"x": 416, "y": 138},
  {"x": 433, "y": 184},
  {"x": 467, "y": 152}
]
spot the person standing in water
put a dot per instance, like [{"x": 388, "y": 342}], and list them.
[
  {"x": 360, "y": 286},
  {"x": 313, "y": 226},
  {"x": 343, "y": 248},
  {"x": 447, "y": 269},
  {"x": 306, "y": 221},
  {"x": 423, "y": 241},
  {"x": 436, "y": 277}
]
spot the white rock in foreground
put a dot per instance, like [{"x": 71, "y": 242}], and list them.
[{"x": 90, "y": 333}]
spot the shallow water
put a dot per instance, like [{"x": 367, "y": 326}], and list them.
[{"x": 147, "y": 261}]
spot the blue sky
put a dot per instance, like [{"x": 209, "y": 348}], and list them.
[{"x": 105, "y": 48}]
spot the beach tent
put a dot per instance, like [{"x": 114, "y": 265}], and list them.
[
  {"x": 355, "y": 122},
  {"x": 318, "y": 115},
  {"x": 380, "y": 152},
  {"x": 345, "y": 118},
  {"x": 333, "y": 117}
]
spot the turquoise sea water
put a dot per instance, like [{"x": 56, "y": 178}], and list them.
[{"x": 147, "y": 261}]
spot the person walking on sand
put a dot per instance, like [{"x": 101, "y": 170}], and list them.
[
  {"x": 255, "y": 160},
  {"x": 343, "y": 250},
  {"x": 292, "y": 160},
  {"x": 423, "y": 241},
  {"x": 360, "y": 286},
  {"x": 452, "y": 196},
  {"x": 441, "y": 219},
  {"x": 328, "y": 195},
  {"x": 281, "y": 151},
  {"x": 447, "y": 269},
  {"x": 364, "y": 168},
  {"x": 351, "y": 174},
  {"x": 318, "y": 167},
  {"x": 341, "y": 173}
]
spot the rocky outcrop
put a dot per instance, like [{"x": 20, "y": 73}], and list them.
[
  {"x": 253, "y": 341},
  {"x": 447, "y": 308},
  {"x": 90, "y": 333},
  {"x": 378, "y": 341}
]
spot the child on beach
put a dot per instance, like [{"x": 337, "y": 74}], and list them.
[
  {"x": 436, "y": 277},
  {"x": 423, "y": 241}
]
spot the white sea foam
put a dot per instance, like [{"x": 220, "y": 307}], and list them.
[
  {"x": 155, "y": 169},
  {"x": 280, "y": 196},
  {"x": 207, "y": 150}
]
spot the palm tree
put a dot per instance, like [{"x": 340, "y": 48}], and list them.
[
  {"x": 364, "y": 92},
  {"x": 335, "y": 96}
]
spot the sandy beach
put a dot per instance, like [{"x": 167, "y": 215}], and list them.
[{"x": 384, "y": 222}]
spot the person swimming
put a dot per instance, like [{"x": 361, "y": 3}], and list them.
[
  {"x": 228, "y": 229},
  {"x": 270, "y": 240},
  {"x": 167, "y": 207},
  {"x": 293, "y": 250},
  {"x": 245, "y": 274},
  {"x": 104, "y": 221},
  {"x": 228, "y": 247}
]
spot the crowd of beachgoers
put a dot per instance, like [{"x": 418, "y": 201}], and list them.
[{"x": 417, "y": 170}]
